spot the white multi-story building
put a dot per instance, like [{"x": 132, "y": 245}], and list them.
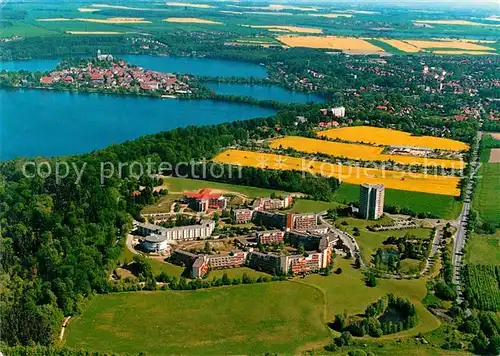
[
  {"x": 338, "y": 112},
  {"x": 371, "y": 201},
  {"x": 199, "y": 231}
]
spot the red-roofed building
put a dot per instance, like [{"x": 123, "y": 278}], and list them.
[
  {"x": 46, "y": 80},
  {"x": 204, "y": 200},
  {"x": 68, "y": 79},
  {"x": 97, "y": 78}
]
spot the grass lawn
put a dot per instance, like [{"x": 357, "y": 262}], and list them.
[
  {"x": 180, "y": 185},
  {"x": 487, "y": 195},
  {"x": 484, "y": 249},
  {"x": 156, "y": 265},
  {"x": 218, "y": 321},
  {"x": 236, "y": 272},
  {"x": 313, "y": 206},
  {"x": 446, "y": 207},
  {"x": 370, "y": 241},
  {"x": 347, "y": 293},
  {"x": 163, "y": 206}
]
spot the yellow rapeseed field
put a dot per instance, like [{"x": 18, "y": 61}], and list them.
[
  {"x": 330, "y": 42},
  {"x": 401, "y": 45},
  {"x": 288, "y": 28},
  {"x": 389, "y": 137},
  {"x": 416, "y": 182},
  {"x": 358, "y": 152},
  {"x": 465, "y": 40},
  {"x": 191, "y": 20},
  {"x": 185, "y": 4},
  {"x": 455, "y": 44},
  {"x": 466, "y": 52}
]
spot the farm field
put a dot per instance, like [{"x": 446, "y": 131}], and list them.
[
  {"x": 370, "y": 241},
  {"x": 111, "y": 20},
  {"x": 306, "y": 206},
  {"x": 417, "y": 182},
  {"x": 454, "y": 22},
  {"x": 444, "y": 206},
  {"x": 186, "y": 4},
  {"x": 191, "y": 20},
  {"x": 180, "y": 185},
  {"x": 331, "y": 16},
  {"x": 389, "y": 137},
  {"x": 449, "y": 44},
  {"x": 147, "y": 321},
  {"x": 357, "y": 152},
  {"x": 484, "y": 249},
  {"x": 481, "y": 286},
  {"x": 401, "y": 45},
  {"x": 475, "y": 53},
  {"x": 487, "y": 195},
  {"x": 330, "y": 42},
  {"x": 288, "y": 28}
]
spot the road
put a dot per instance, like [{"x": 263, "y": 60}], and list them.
[
  {"x": 459, "y": 239},
  {"x": 347, "y": 239}
]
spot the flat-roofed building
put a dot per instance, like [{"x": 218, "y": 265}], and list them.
[
  {"x": 233, "y": 259},
  {"x": 265, "y": 262},
  {"x": 155, "y": 243},
  {"x": 269, "y": 236},
  {"x": 241, "y": 216},
  {"x": 301, "y": 221},
  {"x": 371, "y": 201},
  {"x": 199, "y": 231}
]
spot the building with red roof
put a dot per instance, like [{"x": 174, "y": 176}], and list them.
[
  {"x": 46, "y": 80},
  {"x": 204, "y": 200}
]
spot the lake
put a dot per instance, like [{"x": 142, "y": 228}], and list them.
[
  {"x": 50, "y": 123},
  {"x": 32, "y": 65},
  {"x": 265, "y": 92},
  {"x": 197, "y": 66}
]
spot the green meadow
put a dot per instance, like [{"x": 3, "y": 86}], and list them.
[
  {"x": 258, "y": 318},
  {"x": 279, "y": 317},
  {"x": 444, "y": 206}
]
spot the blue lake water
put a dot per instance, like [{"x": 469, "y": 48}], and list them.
[
  {"x": 197, "y": 66},
  {"x": 50, "y": 123},
  {"x": 265, "y": 92},
  {"x": 32, "y": 65}
]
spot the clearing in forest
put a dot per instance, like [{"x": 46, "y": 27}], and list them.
[
  {"x": 409, "y": 181},
  {"x": 191, "y": 20},
  {"x": 390, "y": 137},
  {"x": 358, "y": 152},
  {"x": 330, "y": 42}
]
